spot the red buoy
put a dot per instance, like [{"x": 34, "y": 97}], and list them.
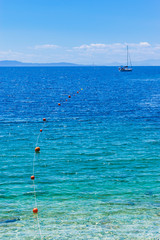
[
  {"x": 32, "y": 177},
  {"x": 44, "y": 119},
  {"x": 69, "y": 96},
  {"x": 66, "y": 99},
  {"x": 37, "y": 149},
  {"x": 77, "y": 92},
  {"x": 40, "y": 130},
  {"x": 59, "y": 104},
  {"x": 35, "y": 210}
]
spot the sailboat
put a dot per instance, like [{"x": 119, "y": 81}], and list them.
[{"x": 126, "y": 68}]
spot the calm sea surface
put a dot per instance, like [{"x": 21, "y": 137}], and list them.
[{"x": 98, "y": 171}]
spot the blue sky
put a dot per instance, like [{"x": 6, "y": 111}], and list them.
[{"x": 90, "y": 31}]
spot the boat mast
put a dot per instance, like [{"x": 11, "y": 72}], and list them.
[{"x": 127, "y": 55}]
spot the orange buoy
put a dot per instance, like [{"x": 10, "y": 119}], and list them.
[
  {"x": 44, "y": 119},
  {"x": 35, "y": 210},
  {"x": 69, "y": 96},
  {"x": 32, "y": 177},
  {"x": 40, "y": 130},
  {"x": 37, "y": 149},
  {"x": 59, "y": 104}
]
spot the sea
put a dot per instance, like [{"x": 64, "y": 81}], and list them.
[{"x": 97, "y": 175}]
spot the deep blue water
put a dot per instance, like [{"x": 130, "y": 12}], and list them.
[{"x": 98, "y": 171}]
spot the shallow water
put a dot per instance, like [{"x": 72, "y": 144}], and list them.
[{"x": 98, "y": 172}]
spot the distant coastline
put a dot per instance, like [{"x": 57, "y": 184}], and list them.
[{"x": 12, "y": 63}]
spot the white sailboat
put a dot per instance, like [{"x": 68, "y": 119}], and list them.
[{"x": 126, "y": 68}]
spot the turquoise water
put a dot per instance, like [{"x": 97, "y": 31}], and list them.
[{"x": 98, "y": 171}]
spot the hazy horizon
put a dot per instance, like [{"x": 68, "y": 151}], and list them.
[{"x": 114, "y": 64}]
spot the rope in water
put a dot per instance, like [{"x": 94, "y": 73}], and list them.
[
  {"x": 37, "y": 149},
  {"x": 35, "y": 210}
]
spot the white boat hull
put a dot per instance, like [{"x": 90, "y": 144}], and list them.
[{"x": 123, "y": 69}]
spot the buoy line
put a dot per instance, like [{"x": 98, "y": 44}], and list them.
[
  {"x": 37, "y": 150},
  {"x": 35, "y": 210}
]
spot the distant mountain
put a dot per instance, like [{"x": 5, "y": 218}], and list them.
[
  {"x": 8, "y": 63},
  {"x": 113, "y": 64},
  {"x": 151, "y": 62}
]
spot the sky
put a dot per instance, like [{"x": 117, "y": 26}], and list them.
[{"x": 79, "y": 31}]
